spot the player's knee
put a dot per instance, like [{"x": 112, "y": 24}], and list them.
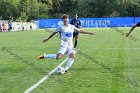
[
  {"x": 59, "y": 56},
  {"x": 72, "y": 56}
]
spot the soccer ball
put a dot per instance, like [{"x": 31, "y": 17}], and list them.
[{"x": 60, "y": 70}]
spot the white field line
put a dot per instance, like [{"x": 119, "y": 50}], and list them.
[
  {"x": 115, "y": 48},
  {"x": 44, "y": 78}
]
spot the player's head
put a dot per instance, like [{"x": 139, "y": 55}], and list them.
[
  {"x": 75, "y": 16},
  {"x": 65, "y": 18}
]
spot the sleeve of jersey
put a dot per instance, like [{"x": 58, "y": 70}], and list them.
[
  {"x": 75, "y": 28},
  {"x": 58, "y": 29}
]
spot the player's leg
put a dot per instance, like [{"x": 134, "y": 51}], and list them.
[
  {"x": 76, "y": 41},
  {"x": 54, "y": 56},
  {"x": 70, "y": 61},
  {"x": 59, "y": 55},
  {"x": 71, "y": 53},
  {"x": 75, "y": 37},
  {"x": 42, "y": 56},
  {"x": 61, "y": 52},
  {"x": 74, "y": 34},
  {"x": 130, "y": 30}
]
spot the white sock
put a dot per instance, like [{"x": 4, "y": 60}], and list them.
[
  {"x": 70, "y": 62},
  {"x": 50, "y": 56}
]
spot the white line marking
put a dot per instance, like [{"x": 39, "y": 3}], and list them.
[
  {"x": 115, "y": 48},
  {"x": 44, "y": 78}
]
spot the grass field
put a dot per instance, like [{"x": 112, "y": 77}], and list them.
[{"x": 111, "y": 64}]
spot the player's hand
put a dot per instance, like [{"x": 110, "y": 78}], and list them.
[
  {"x": 45, "y": 40},
  {"x": 92, "y": 33},
  {"x": 127, "y": 34}
]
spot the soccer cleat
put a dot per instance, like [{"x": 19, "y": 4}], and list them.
[
  {"x": 40, "y": 57},
  {"x": 66, "y": 71}
]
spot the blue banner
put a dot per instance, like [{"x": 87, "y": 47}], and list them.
[{"x": 92, "y": 22}]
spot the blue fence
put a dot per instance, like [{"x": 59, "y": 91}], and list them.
[{"x": 92, "y": 22}]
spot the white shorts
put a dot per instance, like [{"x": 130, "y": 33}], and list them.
[{"x": 67, "y": 50}]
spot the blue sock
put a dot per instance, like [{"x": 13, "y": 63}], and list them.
[
  {"x": 50, "y": 56},
  {"x": 69, "y": 64}
]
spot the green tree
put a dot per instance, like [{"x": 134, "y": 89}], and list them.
[
  {"x": 24, "y": 6},
  {"x": 34, "y": 10},
  {"x": 43, "y": 11},
  {"x": 96, "y": 8},
  {"x": 23, "y": 17},
  {"x": 55, "y": 11},
  {"x": 127, "y": 7},
  {"x": 7, "y": 10},
  {"x": 68, "y": 5}
]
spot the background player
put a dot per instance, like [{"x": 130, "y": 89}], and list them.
[
  {"x": 66, "y": 36},
  {"x": 136, "y": 25},
  {"x": 77, "y": 24}
]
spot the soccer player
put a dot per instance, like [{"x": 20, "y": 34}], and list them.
[
  {"x": 66, "y": 37},
  {"x": 77, "y": 24},
  {"x": 133, "y": 27}
]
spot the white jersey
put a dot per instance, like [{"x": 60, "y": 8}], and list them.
[{"x": 66, "y": 34}]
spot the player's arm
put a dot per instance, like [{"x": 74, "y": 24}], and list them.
[
  {"x": 136, "y": 25},
  {"x": 56, "y": 31},
  {"x": 127, "y": 34},
  {"x": 84, "y": 32},
  {"x": 45, "y": 40}
]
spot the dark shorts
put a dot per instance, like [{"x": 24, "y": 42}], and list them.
[
  {"x": 10, "y": 28},
  {"x": 75, "y": 34},
  {"x": 0, "y": 30},
  {"x": 138, "y": 24}
]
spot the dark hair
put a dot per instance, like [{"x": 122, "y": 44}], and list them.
[{"x": 65, "y": 16}]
